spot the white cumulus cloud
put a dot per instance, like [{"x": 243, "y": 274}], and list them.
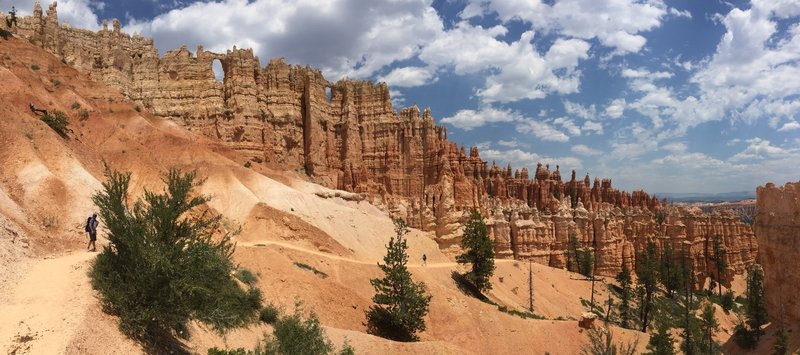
[
  {"x": 582, "y": 149},
  {"x": 409, "y": 77}
]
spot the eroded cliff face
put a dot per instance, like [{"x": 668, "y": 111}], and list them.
[
  {"x": 777, "y": 227},
  {"x": 346, "y": 135}
]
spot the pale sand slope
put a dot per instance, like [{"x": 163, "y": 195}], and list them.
[{"x": 45, "y": 308}]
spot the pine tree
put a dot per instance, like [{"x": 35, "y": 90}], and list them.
[
  {"x": 625, "y": 295},
  {"x": 719, "y": 262},
  {"x": 12, "y": 18},
  {"x": 478, "y": 251},
  {"x": 756, "y": 311},
  {"x": 573, "y": 254},
  {"x": 661, "y": 343},
  {"x": 163, "y": 265},
  {"x": 670, "y": 275},
  {"x": 586, "y": 262},
  {"x": 690, "y": 326},
  {"x": 400, "y": 303},
  {"x": 781, "y": 345},
  {"x": 647, "y": 276},
  {"x": 708, "y": 327}
]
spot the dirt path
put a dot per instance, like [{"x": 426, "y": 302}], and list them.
[
  {"x": 40, "y": 314},
  {"x": 267, "y": 243}
]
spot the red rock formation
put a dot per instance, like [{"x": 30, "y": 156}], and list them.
[
  {"x": 777, "y": 227},
  {"x": 346, "y": 135}
]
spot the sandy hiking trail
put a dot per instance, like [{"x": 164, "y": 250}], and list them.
[
  {"x": 267, "y": 243},
  {"x": 40, "y": 313}
]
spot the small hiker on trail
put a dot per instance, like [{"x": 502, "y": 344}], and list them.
[
  {"x": 91, "y": 228},
  {"x": 424, "y": 259}
]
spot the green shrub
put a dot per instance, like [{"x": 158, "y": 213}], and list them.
[
  {"x": 238, "y": 351},
  {"x": 138, "y": 108},
  {"x": 56, "y": 82},
  {"x": 246, "y": 276},
  {"x": 745, "y": 338},
  {"x": 58, "y": 121},
  {"x": 727, "y": 301},
  {"x": 269, "y": 314},
  {"x": 347, "y": 349},
  {"x": 163, "y": 266},
  {"x": 5, "y": 34},
  {"x": 295, "y": 335},
  {"x": 248, "y": 164},
  {"x": 76, "y": 105},
  {"x": 35, "y": 67}
]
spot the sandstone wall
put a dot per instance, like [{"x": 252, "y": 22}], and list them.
[
  {"x": 777, "y": 227},
  {"x": 347, "y": 135}
]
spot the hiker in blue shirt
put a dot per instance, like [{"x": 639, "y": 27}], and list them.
[{"x": 91, "y": 228}]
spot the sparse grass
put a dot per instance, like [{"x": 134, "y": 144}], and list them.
[
  {"x": 524, "y": 315},
  {"x": 237, "y": 351},
  {"x": 469, "y": 289},
  {"x": 311, "y": 268},
  {"x": 84, "y": 115},
  {"x": 24, "y": 338},
  {"x": 76, "y": 105},
  {"x": 246, "y": 276},
  {"x": 260, "y": 245},
  {"x": 597, "y": 309},
  {"x": 5, "y": 34},
  {"x": 49, "y": 221},
  {"x": 56, "y": 82},
  {"x": 35, "y": 67},
  {"x": 29, "y": 135}
]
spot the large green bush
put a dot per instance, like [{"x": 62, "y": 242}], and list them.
[{"x": 163, "y": 266}]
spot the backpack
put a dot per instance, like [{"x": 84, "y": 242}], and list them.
[{"x": 88, "y": 227}]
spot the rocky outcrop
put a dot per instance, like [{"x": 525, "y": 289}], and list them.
[
  {"x": 777, "y": 227},
  {"x": 347, "y": 135}
]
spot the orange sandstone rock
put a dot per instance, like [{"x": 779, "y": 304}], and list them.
[{"x": 347, "y": 135}]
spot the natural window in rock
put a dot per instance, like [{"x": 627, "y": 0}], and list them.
[{"x": 216, "y": 67}]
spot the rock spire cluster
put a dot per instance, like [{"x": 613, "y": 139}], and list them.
[{"x": 347, "y": 135}]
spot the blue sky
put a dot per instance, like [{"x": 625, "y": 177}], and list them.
[{"x": 666, "y": 96}]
